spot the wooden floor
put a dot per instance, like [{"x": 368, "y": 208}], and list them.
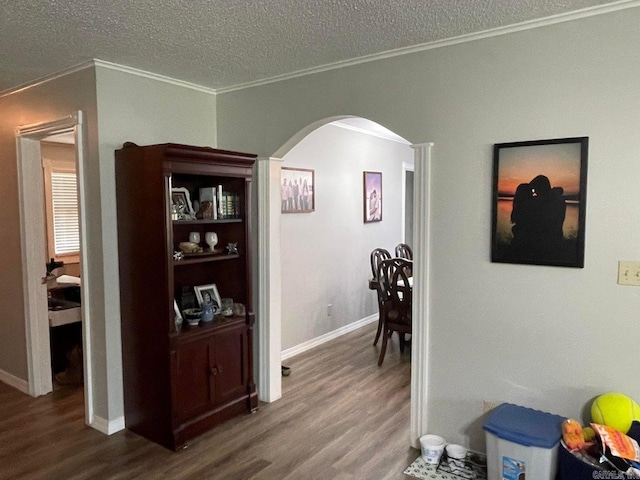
[{"x": 340, "y": 417}]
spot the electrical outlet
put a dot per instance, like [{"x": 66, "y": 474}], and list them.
[
  {"x": 628, "y": 273},
  {"x": 487, "y": 406},
  {"x": 329, "y": 310}
]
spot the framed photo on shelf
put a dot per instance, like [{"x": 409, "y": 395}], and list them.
[
  {"x": 181, "y": 206},
  {"x": 297, "y": 190},
  {"x": 372, "y": 197},
  {"x": 539, "y": 202},
  {"x": 210, "y": 293}
]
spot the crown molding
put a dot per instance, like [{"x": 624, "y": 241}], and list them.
[
  {"x": 152, "y": 76},
  {"x": 111, "y": 66},
  {"x": 470, "y": 37},
  {"x": 47, "y": 78}
]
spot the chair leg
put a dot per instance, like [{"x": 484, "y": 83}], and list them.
[
  {"x": 401, "y": 336},
  {"x": 383, "y": 350},
  {"x": 380, "y": 322}
]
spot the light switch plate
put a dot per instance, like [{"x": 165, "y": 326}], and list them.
[{"x": 628, "y": 273}]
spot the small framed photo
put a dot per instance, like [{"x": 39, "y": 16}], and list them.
[
  {"x": 372, "y": 197},
  {"x": 181, "y": 206},
  {"x": 539, "y": 202},
  {"x": 297, "y": 190},
  {"x": 209, "y": 293}
]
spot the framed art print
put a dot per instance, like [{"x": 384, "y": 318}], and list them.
[
  {"x": 297, "y": 190},
  {"x": 372, "y": 197},
  {"x": 539, "y": 202}
]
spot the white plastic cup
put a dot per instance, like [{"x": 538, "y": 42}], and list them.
[
  {"x": 432, "y": 447},
  {"x": 456, "y": 455}
]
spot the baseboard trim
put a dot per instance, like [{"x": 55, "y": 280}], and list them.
[
  {"x": 15, "y": 382},
  {"x": 107, "y": 427},
  {"x": 303, "y": 347}
]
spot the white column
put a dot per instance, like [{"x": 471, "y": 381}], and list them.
[
  {"x": 269, "y": 280},
  {"x": 421, "y": 291}
]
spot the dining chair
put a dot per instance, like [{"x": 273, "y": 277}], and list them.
[
  {"x": 377, "y": 256},
  {"x": 404, "y": 251},
  {"x": 397, "y": 297}
]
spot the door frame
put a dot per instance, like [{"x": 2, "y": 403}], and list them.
[
  {"x": 406, "y": 167},
  {"x": 33, "y": 250},
  {"x": 269, "y": 318}
]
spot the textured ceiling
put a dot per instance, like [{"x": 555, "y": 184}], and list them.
[{"x": 224, "y": 43}]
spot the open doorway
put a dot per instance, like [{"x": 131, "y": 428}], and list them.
[
  {"x": 325, "y": 263},
  {"x": 270, "y": 277},
  {"x": 39, "y": 272},
  {"x": 64, "y": 298}
]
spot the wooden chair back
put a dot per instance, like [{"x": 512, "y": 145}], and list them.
[
  {"x": 404, "y": 251},
  {"x": 377, "y": 256},
  {"x": 396, "y": 299}
]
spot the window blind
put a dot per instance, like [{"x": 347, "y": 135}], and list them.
[{"x": 64, "y": 198}]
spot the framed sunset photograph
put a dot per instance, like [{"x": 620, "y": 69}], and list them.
[
  {"x": 372, "y": 197},
  {"x": 539, "y": 202}
]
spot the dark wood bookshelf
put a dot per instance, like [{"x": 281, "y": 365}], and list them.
[{"x": 182, "y": 380}]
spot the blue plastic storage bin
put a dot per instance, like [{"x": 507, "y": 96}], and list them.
[{"x": 522, "y": 443}]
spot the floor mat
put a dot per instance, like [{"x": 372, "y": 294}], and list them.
[{"x": 475, "y": 469}]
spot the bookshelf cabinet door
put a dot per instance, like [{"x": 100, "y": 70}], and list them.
[{"x": 194, "y": 393}]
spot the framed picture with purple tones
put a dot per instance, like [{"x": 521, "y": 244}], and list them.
[
  {"x": 539, "y": 202},
  {"x": 297, "y": 190},
  {"x": 372, "y": 197}
]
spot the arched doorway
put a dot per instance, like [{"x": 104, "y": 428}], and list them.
[{"x": 270, "y": 277}]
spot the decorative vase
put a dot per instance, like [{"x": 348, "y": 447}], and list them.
[
  {"x": 207, "y": 312},
  {"x": 211, "y": 238},
  {"x": 194, "y": 237}
]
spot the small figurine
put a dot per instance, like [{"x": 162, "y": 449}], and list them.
[{"x": 232, "y": 248}]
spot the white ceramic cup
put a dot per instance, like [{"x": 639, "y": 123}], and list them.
[
  {"x": 211, "y": 239},
  {"x": 194, "y": 237},
  {"x": 456, "y": 455},
  {"x": 432, "y": 447}
]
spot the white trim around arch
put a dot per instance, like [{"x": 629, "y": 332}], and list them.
[
  {"x": 269, "y": 280},
  {"x": 270, "y": 284},
  {"x": 421, "y": 291}
]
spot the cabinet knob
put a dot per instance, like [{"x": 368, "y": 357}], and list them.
[
  {"x": 213, "y": 371},
  {"x": 220, "y": 369}
]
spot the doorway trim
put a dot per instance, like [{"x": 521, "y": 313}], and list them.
[
  {"x": 406, "y": 167},
  {"x": 270, "y": 279},
  {"x": 33, "y": 251}
]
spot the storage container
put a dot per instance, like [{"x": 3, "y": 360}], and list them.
[{"x": 522, "y": 443}]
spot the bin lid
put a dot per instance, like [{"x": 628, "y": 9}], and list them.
[{"x": 524, "y": 426}]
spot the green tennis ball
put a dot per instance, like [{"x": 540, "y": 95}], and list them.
[{"x": 615, "y": 410}]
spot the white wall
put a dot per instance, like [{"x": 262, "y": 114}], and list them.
[
  {"x": 144, "y": 111},
  {"x": 326, "y": 253},
  {"x": 545, "y": 337}
]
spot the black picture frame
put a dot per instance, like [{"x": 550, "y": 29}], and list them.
[
  {"x": 372, "y": 196},
  {"x": 297, "y": 190},
  {"x": 539, "y": 202}
]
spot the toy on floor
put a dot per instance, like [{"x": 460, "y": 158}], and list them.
[
  {"x": 572, "y": 434},
  {"x": 615, "y": 410}
]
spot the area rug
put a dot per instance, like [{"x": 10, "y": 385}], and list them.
[{"x": 424, "y": 471}]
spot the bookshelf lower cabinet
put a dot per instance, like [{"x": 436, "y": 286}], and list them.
[
  {"x": 181, "y": 380},
  {"x": 211, "y": 380}
]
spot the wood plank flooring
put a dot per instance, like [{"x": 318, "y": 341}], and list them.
[{"x": 341, "y": 417}]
